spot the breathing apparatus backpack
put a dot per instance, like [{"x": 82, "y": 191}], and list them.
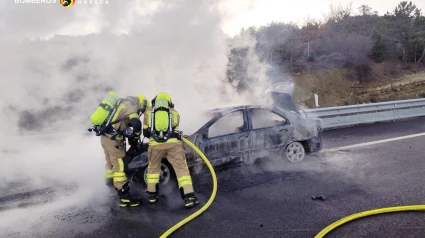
[
  {"x": 102, "y": 116},
  {"x": 162, "y": 120}
]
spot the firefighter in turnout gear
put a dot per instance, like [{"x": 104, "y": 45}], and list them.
[
  {"x": 160, "y": 125},
  {"x": 124, "y": 123}
]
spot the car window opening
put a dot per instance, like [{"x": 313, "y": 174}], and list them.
[
  {"x": 262, "y": 118},
  {"x": 228, "y": 124}
]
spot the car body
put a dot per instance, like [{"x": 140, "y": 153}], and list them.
[
  {"x": 246, "y": 133},
  {"x": 250, "y": 132}
]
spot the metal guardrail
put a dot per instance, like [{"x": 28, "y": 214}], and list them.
[{"x": 333, "y": 117}]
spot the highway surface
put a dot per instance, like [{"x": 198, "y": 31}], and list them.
[{"x": 271, "y": 199}]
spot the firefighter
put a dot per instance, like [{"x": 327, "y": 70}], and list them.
[
  {"x": 160, "y": 125},
  {"x": 125, "y": 123}
]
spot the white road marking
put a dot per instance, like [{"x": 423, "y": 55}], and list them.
[{"x": 374, "y": 142}]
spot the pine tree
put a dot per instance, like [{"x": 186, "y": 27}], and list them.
[{"x": 378, "y": 48}]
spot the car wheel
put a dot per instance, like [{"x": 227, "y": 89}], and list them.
[
  {"x": 294, "y": 152},
  {"x": 166, "y": 174}
]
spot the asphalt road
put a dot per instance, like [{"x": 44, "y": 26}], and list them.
[{"x": 274, "y": 199}]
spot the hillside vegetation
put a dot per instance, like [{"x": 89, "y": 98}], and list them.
[
  {"x": 335, "y": 89},
  {"x": 344, "y": 58}
]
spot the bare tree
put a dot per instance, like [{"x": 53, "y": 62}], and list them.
[
  {"x": 353, "y": 48},
  {"x": 365, "y": 10},
  {"x": 338, "y": 12}
]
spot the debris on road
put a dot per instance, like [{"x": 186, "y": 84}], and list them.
[{"x": 321, "y": 197}]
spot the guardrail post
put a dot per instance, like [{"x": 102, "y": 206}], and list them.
[{"x": 316, "y": 100}]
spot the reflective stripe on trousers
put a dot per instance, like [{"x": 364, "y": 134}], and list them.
[
  {"x": 184, "y": 180},
  {"x": 152, "y": 178},
  {"x": 120, "y": 176}
]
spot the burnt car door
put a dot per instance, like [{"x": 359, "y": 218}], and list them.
[
  {"x": 226, "y": 141},
  {"x": 269, "y": 131}
]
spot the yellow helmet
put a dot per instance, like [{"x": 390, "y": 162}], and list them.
[
  {"x": 143, "y": 102},
  {"x": 164, "y": 95}
]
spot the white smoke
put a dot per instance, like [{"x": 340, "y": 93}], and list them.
[
  {"x": 178, "y": 48},
  {"x": 256, "y": 69}
]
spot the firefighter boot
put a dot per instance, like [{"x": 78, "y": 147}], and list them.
[
  {"x": 153, "y": 197},
  {"x": 125, "y": 198},
  {"x": 190, "y": 200}
]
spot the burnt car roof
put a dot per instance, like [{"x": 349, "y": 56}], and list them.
[
  {"x": 217, "y": 112},
  {"x": 234, "y": 108}
]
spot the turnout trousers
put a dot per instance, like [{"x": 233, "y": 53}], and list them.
[
  {"x": 175, "y": 154},
  {"x": 114, "y": 153}
]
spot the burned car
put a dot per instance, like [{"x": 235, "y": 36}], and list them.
[{"x": 244, "y": 134}]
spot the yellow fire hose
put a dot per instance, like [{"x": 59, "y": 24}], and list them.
[
  {"x": 197, "y": 213},
  {"x": 368, "y": 213}
]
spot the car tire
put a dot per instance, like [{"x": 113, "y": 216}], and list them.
[
  {"x": 167, "y": 177},
  {"x": 294, "y": 152}
]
